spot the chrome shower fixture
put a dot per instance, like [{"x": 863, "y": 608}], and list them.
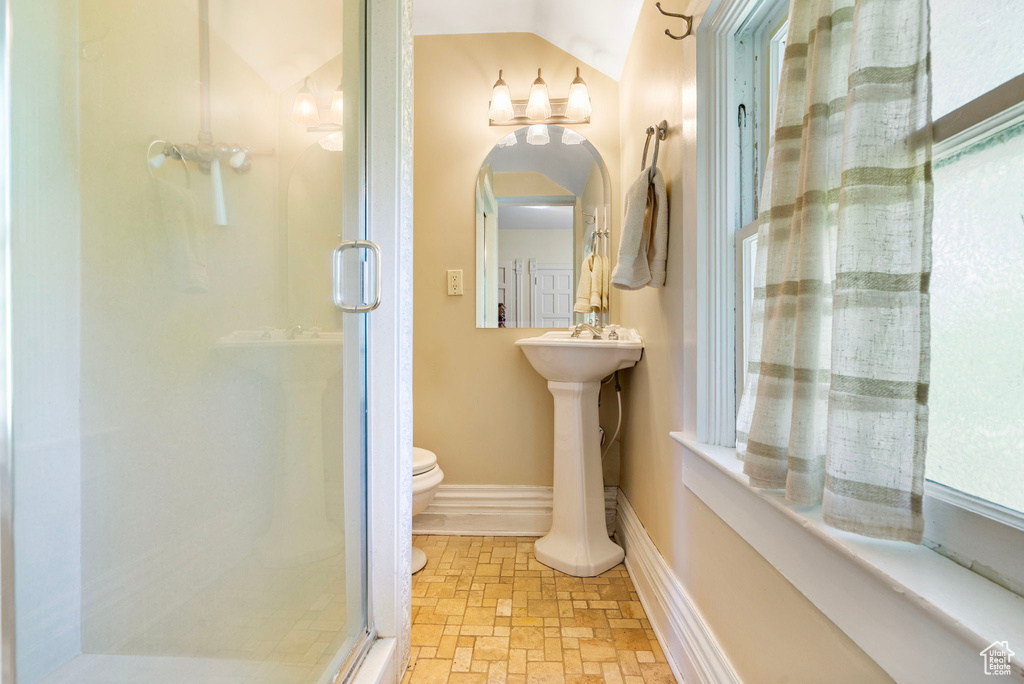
[{"x": 203, "y": 154}]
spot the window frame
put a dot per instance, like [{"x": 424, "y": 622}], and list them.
[{"x": 726, "y": 79}]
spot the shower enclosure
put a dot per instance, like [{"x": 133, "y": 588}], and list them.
[{"x": 189, "y": 276}]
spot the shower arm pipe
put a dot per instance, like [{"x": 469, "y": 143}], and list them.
[
  {"x": 205, "y": 133},
  {"x": 220, "y": 214}
]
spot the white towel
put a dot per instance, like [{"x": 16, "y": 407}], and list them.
[
  {"x": 585, "y": 287},
  {"x": 186, "y": 244},
  {"x": 643, "y": 247}
]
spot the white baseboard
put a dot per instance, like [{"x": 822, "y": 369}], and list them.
[
  {"x": 495, "y": 511},
  {"x": 693, "y": 652}
]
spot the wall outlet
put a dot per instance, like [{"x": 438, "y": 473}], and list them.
[{"x": 454, "y": 282}]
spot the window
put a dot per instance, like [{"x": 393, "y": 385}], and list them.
[
  {"x": 974, "y": 504},
  {"x": 976, "y": 399}
]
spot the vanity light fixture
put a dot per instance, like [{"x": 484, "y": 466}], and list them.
[
  {"x": 579, "y": 106},
  {"x": 509, "y": 140},
  {"x": 305, "y": 111},
  {"x": 538, "y": 135},
  {"x": 571, "y": 137},
  {"x": 539, "y": 106},
  {"x": 336, "y": 114},
  {"x": 501, "y": 102}
]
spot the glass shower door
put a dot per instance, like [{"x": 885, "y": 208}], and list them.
[{"x": 188, "y": 399}]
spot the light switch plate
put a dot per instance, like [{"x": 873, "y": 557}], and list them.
[{"x": 454, "y": 282}]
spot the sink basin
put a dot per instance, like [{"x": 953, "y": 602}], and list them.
[
  {"x": 559, "y": 357},
  {"x": 302, "y": 363},
  {"x": 578, "y": 542},
  {"x": 271, "y": 353}
]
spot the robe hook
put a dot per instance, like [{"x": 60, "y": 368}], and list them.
[{"x": 687, "y": 18}]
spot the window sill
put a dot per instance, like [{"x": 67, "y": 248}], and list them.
[{"x": 919, "y": 615}]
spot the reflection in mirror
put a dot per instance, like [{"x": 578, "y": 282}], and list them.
[{"x": 542, "y": 231}]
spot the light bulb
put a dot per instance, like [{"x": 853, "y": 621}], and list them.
[
  {"x": 509, "y": 140},
  {"x": 237, "y": 159},
  {"x": 571, "y": 137},
  {"x": 501, "y": 109},
  {"x": 539, "y": 106},
  {"x": 157, "y": 160},
  {"x": 537, "y": 135},
  {"x": 335, "y": 142},
  {"x": 336, "y": 114},
  {"x": 305, "y": 112},
  {"x": 578, "y": 108}
]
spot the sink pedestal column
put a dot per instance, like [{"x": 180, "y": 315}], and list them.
[
  {"x": 299, "y": 531},
  {"x": 578, "y": 542}
]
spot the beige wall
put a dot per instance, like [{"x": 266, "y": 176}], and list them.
[
  {"x": 767, "y": 628},
  {"x": 478, "y": 403}
]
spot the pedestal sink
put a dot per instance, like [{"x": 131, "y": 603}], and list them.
[
  {"x": 578, "y": 542},
  {"x": 302, "y": 362}
]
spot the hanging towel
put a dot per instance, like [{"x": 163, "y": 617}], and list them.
[
  {"x": 586, "y": 286},
  {"x": 643, "y": 247},
  {"x": 186, "y": 244}
]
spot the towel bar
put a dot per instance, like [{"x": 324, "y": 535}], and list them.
[{"x": 662, "y": 131}]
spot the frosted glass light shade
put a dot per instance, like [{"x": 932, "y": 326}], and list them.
[
  {"x": 304, "y": 111},
  {"x": 537, "y": 134},
  {"x": 336, "y": 114},
  {"x": 509, "y": 140},
  {"x": 539, "y": 106},
  {"x": 578, "y": 107},
  {"x": 501, "y": 102},
  {"x": 571, "y": 137}
]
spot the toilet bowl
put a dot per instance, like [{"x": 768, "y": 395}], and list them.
[{"x": 426, "y": 478}]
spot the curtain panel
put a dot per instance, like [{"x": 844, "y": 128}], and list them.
[{"x": 834, "y": 408}]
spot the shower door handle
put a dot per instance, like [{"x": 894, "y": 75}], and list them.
[{"x": 339, "y": 272}]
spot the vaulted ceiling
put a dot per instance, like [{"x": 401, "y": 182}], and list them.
[{"x": 598, "y": 32}]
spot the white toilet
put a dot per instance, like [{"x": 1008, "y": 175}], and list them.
[{"x": 426, "y": 478}]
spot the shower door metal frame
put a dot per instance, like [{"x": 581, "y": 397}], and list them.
[
  {"x": 6, "y": 423},
  {"x": 389, "y": 97},
  {"x": 388, "y": 205}
]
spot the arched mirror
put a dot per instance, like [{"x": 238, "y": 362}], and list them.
[{"x": 542, "y": 208}]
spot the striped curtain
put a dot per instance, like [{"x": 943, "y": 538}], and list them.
[{"x": 835, "y": 398}]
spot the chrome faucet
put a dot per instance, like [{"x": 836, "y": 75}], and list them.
[
  {"x": 293, "y": 332},
  {"x": 595, "y": 332}
]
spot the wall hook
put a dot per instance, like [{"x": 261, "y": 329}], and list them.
[{"x": 687, "y": 18}]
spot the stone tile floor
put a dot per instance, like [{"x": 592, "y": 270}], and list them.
[{"x": 485, "y": 611}]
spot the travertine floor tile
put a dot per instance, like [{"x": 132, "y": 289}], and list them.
[{"x": 485, "y": 611}]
